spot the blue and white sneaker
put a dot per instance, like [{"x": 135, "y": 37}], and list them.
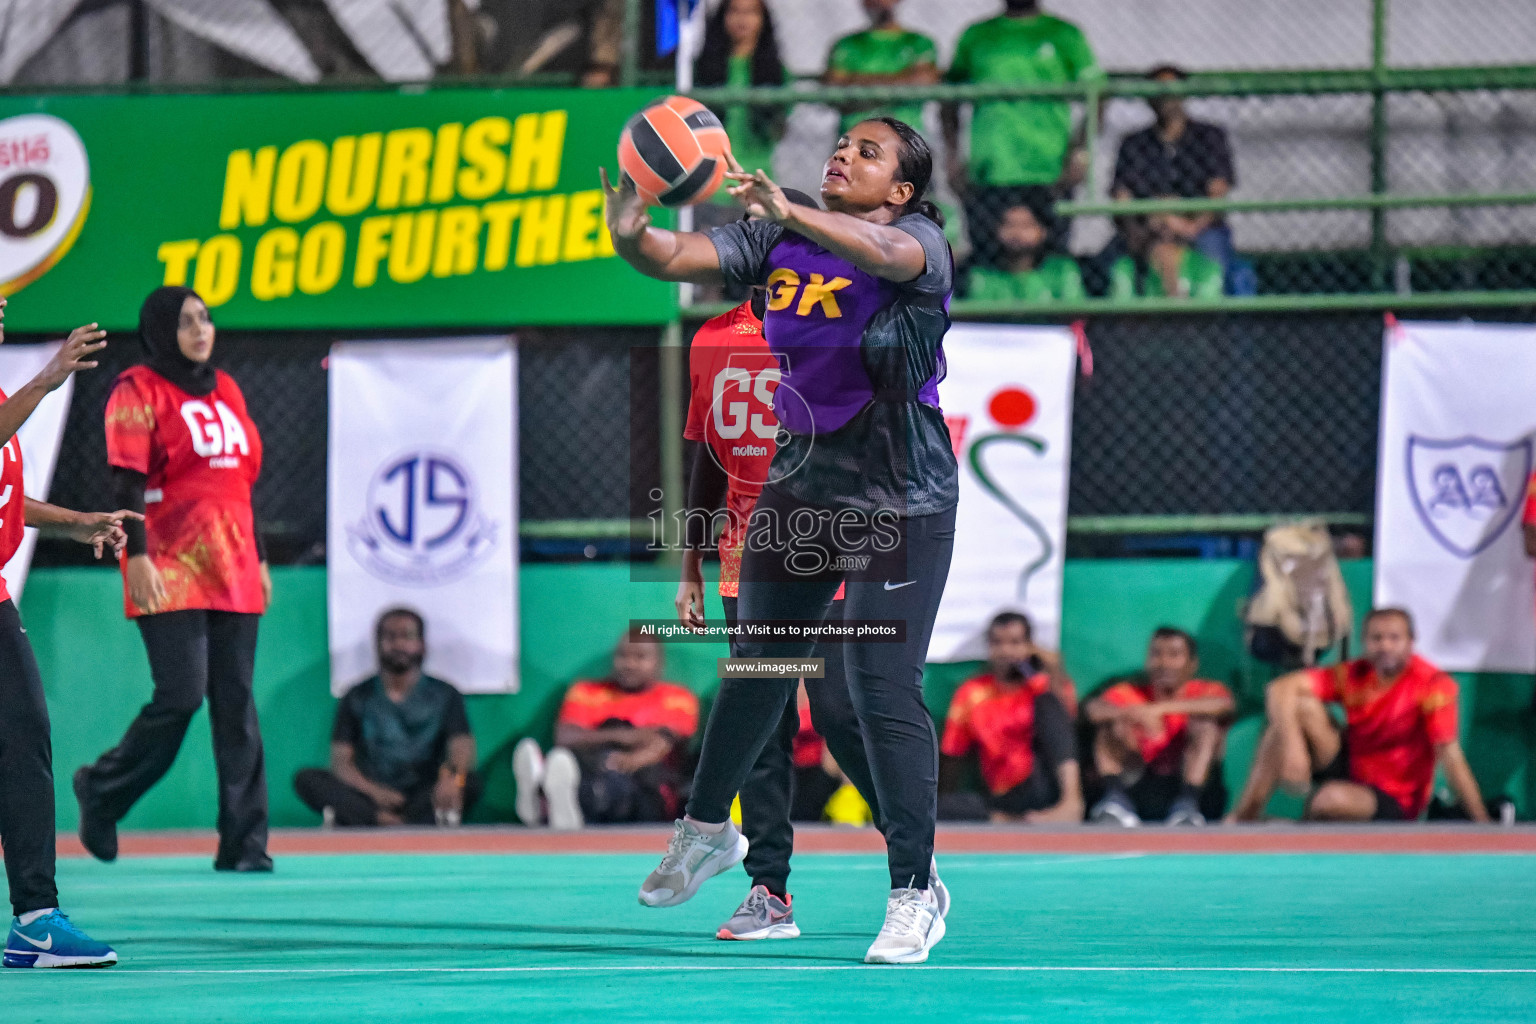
[{"x": 53, "y": 941}]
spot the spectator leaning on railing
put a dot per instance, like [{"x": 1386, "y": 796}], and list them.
[
  {"x": 883, "y": 54},
  {"x": 1159, "y": 263},
  {"x": 1179, "y": 157},
  {"x": 1017, "y": 143},
  {"x": 1024, "y": 271}
]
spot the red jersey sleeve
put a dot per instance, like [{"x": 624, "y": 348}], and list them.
[
  {"x": 1440, "y": 711},
  {"x": 1204, "y": 689},
  {"x": 130, "y": 426},
  {"x": 1122, "y": 695},
  {"x": 698, "y": 397},
  {"x": 585, "y": 705},
  {"x": 959, "y": 737},
  {"x": 1529, "y": 516},
  {"x": 677, "y": 710},
  {"x": 1328, "y": 681}
]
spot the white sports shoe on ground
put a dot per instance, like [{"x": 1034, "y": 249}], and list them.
[
  {"x": 528, "y": 770},
  {"x": 913, "y": 926},
  {"x": 692, "y": 858},
  {"x": 562, "y": 790}
]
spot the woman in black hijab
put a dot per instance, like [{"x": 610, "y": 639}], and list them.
[{"x": 185, "y": 452}]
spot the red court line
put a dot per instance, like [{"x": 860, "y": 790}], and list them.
[{"x": 981, "y": 839}]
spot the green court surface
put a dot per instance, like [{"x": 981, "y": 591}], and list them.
[{"x": 531, "y": 938}]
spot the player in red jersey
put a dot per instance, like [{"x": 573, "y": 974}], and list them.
[
  {"x": 183, "y": 448},
  {"x": 1158, "y": 741},
  {"x": 41, "y": 935},
  {"x": 1400, "y": 723},
  {"x": 733, "y": 376},
  {"x": 1016, "y": 718}
]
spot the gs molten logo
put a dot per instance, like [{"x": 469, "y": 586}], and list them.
[
  {"x": 423, "y": 525},
  {"x": 45, "y": 192}
]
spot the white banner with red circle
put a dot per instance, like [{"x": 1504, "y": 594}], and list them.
[{"x": 1008, "y": 401}]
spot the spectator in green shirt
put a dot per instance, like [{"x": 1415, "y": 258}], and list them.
[
  {"x": 742, "y": 50},
  {"x": 1017, "y": 142},
  {"x": 1025, "y": 271},
  {"x": 1161, "y": 263},
  {"x": 883, "y": 54}
]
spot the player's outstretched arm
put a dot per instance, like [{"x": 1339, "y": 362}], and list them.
[
  {"x": 74, "y": 354},
  {"x": 101, "y": 530},
  {"x": 656, "y": 252}
]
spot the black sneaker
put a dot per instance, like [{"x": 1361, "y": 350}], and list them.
[
  {"x": 255, "y": 863},
  {"x": 97, "y": 834}
]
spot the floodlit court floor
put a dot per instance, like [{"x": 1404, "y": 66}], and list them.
[{"x": 1347, "y": 925}]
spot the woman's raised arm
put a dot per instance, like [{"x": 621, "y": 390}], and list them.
[{"x": 656, "y": 252}]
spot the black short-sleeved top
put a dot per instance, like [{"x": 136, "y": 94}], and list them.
[
  {"x": 862, "y": 358},
  {"x": 1149, "y": 167},
  {"x": 400, "y": 745}
]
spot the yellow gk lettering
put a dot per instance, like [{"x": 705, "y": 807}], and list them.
[
  {"x": 820, "y": 290},
  {"x": 782, "y": 285}
]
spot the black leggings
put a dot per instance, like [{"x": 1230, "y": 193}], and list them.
[
  {"x": 769, "y": 795},
  {"x": 26, "y": 771},
  {"x": 192, "y": 654},
  {"x": 903, "y": 579}
]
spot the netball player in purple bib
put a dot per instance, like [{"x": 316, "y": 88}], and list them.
[{"x": 862, "y": 488}]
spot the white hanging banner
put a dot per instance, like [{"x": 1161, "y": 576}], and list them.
[
  {"x": 40, "y": 438},
  {"x": 1458, "y": 426},
  {"x": 423, "y": 505},
  {"x": 1008, "y": 401}
]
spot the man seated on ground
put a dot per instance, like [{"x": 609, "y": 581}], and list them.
[
  {"x": 1158, "y": 741},
  {"x": 618, "y": 748},
  {"x": 1013, "y": 718},
  {"x": 1160, "y": 262},
  {"x": 1400, "y": 722},
  {"x": 401, "y": 750},
  {"x": 1023, "y": 270}
]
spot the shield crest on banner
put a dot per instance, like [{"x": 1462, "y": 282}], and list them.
[{"x": 1467, "y": 490}]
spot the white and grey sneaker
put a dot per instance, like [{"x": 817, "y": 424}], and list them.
[
  {"x": 1114, "y": 809},
  {"x": 528, "y": 770},
  {"x": 1185, "y": 811},
  {"x": 562, "y": 790},
  {"x": 938, "y": 888},
  {"x": 913, "y": 926},
  {"x": 692, "y": 858},
  {"x": 762, "y": 915}
]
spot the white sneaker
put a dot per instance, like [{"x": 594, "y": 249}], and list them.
[
  {"x": 528, "y": 770},
  {"x": 327, "y": 817},
  {"x": 562, "y": 790},
  {"x": 692, "y": 858},
  {"x": 913, "y": 926},
  {"x": 938, "y": 888}
]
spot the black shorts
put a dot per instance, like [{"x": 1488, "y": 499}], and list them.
[{"x": 1337, "y": 770}]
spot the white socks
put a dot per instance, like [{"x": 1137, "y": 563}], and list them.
[
  {"x": 704, "y": 827},
  {"x": 33, "y": 915}
]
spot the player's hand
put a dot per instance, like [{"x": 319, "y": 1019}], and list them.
[
  {"x": 264, "y": 573},
  {"x": 757, "y": 194},
  {"x": 623, "y": 208},
  {"x": 690, "y": 591},
  {"x": 74, "y": 354},
  {"x": 103, "y": 530},
  {"x": 146, "y": 589}
]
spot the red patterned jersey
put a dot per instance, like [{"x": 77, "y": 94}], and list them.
[
  {"x": 1392, "y": 728},
  {"x": 1163, "y": 751},
  {"x": 592, "y": 704},
  {"x": 13, "y": 503},
  {"x": 201, "y": 456},
  {"x": 732, "y": 377},
  {"x": 808, "y": 745},
  {"x": 997, "y": 720}
]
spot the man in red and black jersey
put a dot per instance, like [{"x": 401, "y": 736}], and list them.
[
  {"x": 1016, "y": 719},
  {"x": 1158, "y": 739},
  {"x": 1400, "y": 724}
]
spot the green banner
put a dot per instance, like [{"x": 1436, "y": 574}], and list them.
[{"x": 355, "y": 210}]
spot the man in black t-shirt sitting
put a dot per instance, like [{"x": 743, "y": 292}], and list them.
[{"x": 401, "y": 750}]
